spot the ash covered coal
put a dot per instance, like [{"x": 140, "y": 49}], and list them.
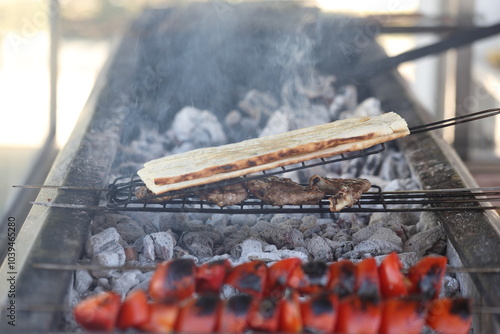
[{"x": 143, "y": 239}]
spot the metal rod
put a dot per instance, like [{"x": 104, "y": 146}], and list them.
[{"x": 454, "y": 121}]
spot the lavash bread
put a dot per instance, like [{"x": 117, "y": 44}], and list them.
[{"x": 212, "y": 164}]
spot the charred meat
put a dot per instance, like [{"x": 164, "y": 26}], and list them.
[
  {"x": 283, "y": 191},
  {"x": 226, "y": 195},
  {"x": 344, "y": 192}
]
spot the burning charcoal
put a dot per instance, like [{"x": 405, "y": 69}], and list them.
[
  {"x": 113, "y": 258},
  {"x": 296, "y": 239},
  {"x": 369, "y": 107},
  {"x": 340, "y": 248},
  {"x": 199, "y": 127},
  {"x": 342, "y": 236},
  {"x": 318, "y": 115},
  {"x": 395, "y": 167},
  {"x": 346, "y": 98},
  {"x": 218, "y": 220},
  {"x": 450, "y": 287},
  {"x": 258, "y": 104},
  {"x": 246, "y": 248},
  {"x": 129, "y": 230},
  {"x": 176, "y": 222},
  {"x": 423, "y": 241},
  {"x": 279, "y": 236},
  {"x": 388, "y": 219},
  {"x": 244, "y": 220},
  {"x": 123, "y": 283},
  {"x": 277, "y": 123},
  {"x": 388, "y": 237},
  {"x": 308, "y": 222},
  {"x": 107, "y": 240},
  {"x": 159, "y": 244},
  {"x": 319, "y": 249},
  {"x": 146, "y": 221},
  {"x": 200, "y": 243},
  {"x": 83, "y": 280},
  {"x": 131, "y": 253},
  {"x": 427, "y": 221}
]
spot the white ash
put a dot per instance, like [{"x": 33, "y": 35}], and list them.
[
  {"x": 159, "y": 245},
  {"x": 83, "y": 281},
  {"x": 422, "y": 242},
  {"x": 258, "y": 105},
  {"x": 123, "y": 283},
  {"x": 194, "y": 128}
]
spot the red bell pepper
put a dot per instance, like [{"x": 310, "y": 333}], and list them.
[
  {"x": 319, "y": 313},
  {"x": 402, "y": 316},
  {"x": 162, "y": 318},
  {"x": 249, "y": 277},
  {"x": 173, "y": 280},
  {"x": 234, "y": 314},
  {"x": 392, "y": 281},
  {"x": 367, "y": 280},
  {"x": 134, "y": 310},
  {"x": 342, "y": 278},
  {"x": 210, "y": 276},
  {"x": 278, "y": 276},
  {"x": 290, "y": 318},
  {"x": 264, "y": 315},
  {"x": 99, "y": 312},
  {"x": 198, "y": 315},
  {"x": 426, "y": 276},
  {"x": 359, "y": 315},
  {"x": 449, "y": 315}
]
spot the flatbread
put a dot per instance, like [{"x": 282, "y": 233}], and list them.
[{"x": 212, "y": 164}]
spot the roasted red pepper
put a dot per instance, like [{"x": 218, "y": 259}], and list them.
[
  {"x": 402, "y": 316},
  {"x": 359, "y": 315},
  {"x": 392, "y": 281},
  {"x": 279, "y": 275},
  {"x": 319, "y": 313},
  {"x": 210, "y": 276},
  {"x": 264, "y": 315},
  {"x": 290, "y": 318},
  {"x": 367, "y": 281},
  {"x": 234, "y": 314},
  {"x": 249, "y": 277},
  {"x": 162, "y": 318},
  {"x": 449, "y": 316},
  {"x": 342, "y": 278},
  {"x": 198, "y": 315},
  {"x": 134, "y": 311},
  {"x": 316, "y": 277},
  {"x": 426, "y": 276},
  {"x": 173, "y": 280},
  {"x": 98, "y": 312}
]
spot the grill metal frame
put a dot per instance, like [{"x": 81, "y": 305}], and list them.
[{"x": 58, "y": 235}]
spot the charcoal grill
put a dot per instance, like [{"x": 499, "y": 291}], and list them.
[{"x": 57, "y": 234}]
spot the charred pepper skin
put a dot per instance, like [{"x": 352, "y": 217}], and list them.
[
  {"x": 450, "y": 316},
  {"x": 392, "y": 281},
  {"x": 319, "y": 313},
  {"x": 134, "y": 311},
  {"x": 402, "y": 316},
  {"x": 234, "y": 314},
  {"x": 99, "y": 312},
  {"x": 173, "y": 280},
  {"x": 336, "y": 297},
  {"x": 426, "y": 276},
  {"x": 249, "y": 277}
]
